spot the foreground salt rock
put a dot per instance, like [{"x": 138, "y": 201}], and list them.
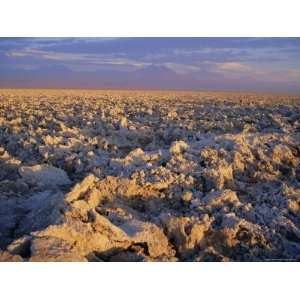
[
  {"x": 81, "y": 188},
  {"x": 40, "y": 210},
  {"x": 6, "y": 256},
  {"x": 141, "y": 232},
  {"x": 149, "y": 176},
  {"x": 44, "y": 175},
  {"x": 53, "y": 249},
  {"x": 77, "y": 241},
  {"x": 77, "y": 233},
  {"x": 188, "y": 234}
]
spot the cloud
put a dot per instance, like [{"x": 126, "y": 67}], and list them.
[
  {"x": 78, "y": 58},
  {"x": 182, "y": 68},
  {"x": 233, "y": 67},
  {"x": 17, "y": 53}
]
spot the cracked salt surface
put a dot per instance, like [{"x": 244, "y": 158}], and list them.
[{"x": 149, "y": 176}]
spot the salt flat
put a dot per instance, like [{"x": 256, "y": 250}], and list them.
[{"x": 89, "y": 175}]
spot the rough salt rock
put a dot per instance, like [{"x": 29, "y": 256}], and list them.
[
  {"x": 235, "y": 233},
  {"x": 44, "y": 175},
  {"x": 142, "y": 232},
  {"x": 220, "y": 198},
  {"x": 187, "y": 196},
  {"x": 20, "y": 246},
  {"x": 250, "y": 152},
  {"x": 5, "y": 256},
  {"x": 85, "y": 237},
  {"x": 283, "y": 154},
  {"x": 230, "y": 220},
  {"x": 42, "y": 209},
  {"x": 46, "y": 249},
  {"x": 123, "y": 122},
  {"x": 217, "y": 177},
  {"x": 178, "y": 147},
  {"x": 196, "y": 202},
  {"x": 101, "y": 236},
  {"x": 52, "y": 140},
  {"x": 17, "y": 186},
  {"x": 80, "y": 188},
  {"x": 129, "y": 256},
  {"x": 210, "y": 254},
  {"x": 294, "y": 206},
  {"x": 172, "y": 114},
  {"x": 186, "y": 234}
]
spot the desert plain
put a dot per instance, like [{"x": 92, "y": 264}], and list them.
[{"x": 96, "y": 175}]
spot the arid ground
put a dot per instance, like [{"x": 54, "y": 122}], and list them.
[{"x": 149, "y": 176}]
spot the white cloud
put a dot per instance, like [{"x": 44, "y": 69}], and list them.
[
  {"x": 17, "y": 53},
  {"x": 233, "y": 67},
  {"x": 181, "y": 68},
  {"x": 79, "y": 58}
]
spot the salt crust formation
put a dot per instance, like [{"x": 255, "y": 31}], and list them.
[{"x": 149, "y": 176}]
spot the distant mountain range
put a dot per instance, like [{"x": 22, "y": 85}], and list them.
[
  {"x": 60, "y": 76},
  {"x": 150, "y": 77}
]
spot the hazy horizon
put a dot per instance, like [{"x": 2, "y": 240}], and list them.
[{"x": 208, "y": 64}]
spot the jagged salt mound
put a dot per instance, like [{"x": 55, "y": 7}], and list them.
[{"x": 44, "y": 175}]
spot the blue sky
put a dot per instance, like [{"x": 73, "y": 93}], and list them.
[{"x": 258, "y": 64}]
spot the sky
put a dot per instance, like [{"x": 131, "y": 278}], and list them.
[{"x": 248, "y": 64}]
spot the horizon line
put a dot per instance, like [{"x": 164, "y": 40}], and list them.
[{"x": 153, "y": 90}]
